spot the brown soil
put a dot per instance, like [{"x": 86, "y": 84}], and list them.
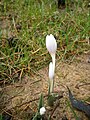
[{"x": 75, "y": 75}]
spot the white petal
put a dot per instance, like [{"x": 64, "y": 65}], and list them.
[
  {"x": 42, "y": 111},
  {"x": 51, "y": 44}
]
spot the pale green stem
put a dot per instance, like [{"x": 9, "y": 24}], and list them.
[
  {"x": 52, "y": 81},
  {"x": 51, "y": 85}
]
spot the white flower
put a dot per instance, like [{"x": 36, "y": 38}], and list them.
[
  {"x": 51, "y": 44},
  {"x": 42, "y": 110}
]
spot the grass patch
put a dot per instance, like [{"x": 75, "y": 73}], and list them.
[{"x": 24, "y": 26}]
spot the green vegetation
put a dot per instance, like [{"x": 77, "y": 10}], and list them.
[
  {"x": 0, "y": 117},
  {"x": 24, "y": 25}
]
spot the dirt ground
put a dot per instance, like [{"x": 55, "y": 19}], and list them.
[{"x": 75, "y": 75}]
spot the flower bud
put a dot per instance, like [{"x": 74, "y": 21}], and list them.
[
  {"x": 51, "y": 44},
  {"x": 42, "y": 110}
]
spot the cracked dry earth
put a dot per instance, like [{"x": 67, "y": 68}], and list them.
[{"x": 75, "y": 75}]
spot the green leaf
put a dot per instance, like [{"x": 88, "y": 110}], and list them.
[
  {"x": 35, "y": 117},
  {"x": 41, "y": 102},
  {"x": 49, "y": 118},
  {"x": 1, "y": 117}
]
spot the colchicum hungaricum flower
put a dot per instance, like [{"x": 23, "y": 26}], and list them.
[
  {"x": 51, "y": 46},
  {"x": 42, "y": 110}
]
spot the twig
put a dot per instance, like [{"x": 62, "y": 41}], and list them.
[
  {"x": 8, "y": 113},
  {"x": 79, "y": 85}
]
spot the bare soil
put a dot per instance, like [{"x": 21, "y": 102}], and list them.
[{"x": 20, "y": 100}]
